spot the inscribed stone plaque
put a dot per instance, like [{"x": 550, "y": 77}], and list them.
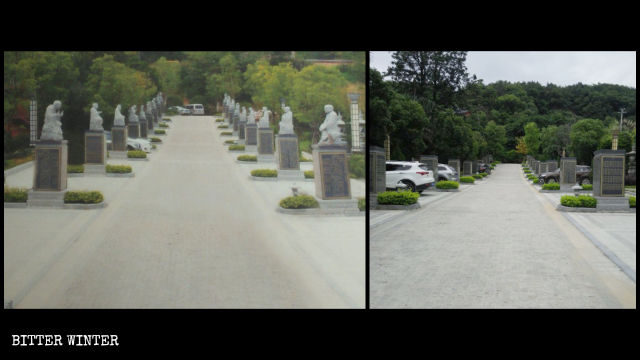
[
  {"x": 236, "y": 120},
  {"x": 251, "y": 134},
  {"x": 543, "y": 167},
  {"x": 143, "y": 129},
  {"x": 134, "y": 130},
  {"x": 467, "y": 168},
  {"x": 241, "y": 126},
  {"x": 47, "y": 169},
  {"x": 608, "y": 173},
  {"x": 552, "y": 166},
  {"x": 381, "y": 172},
  {"x": 288, "y": 153},
  {"x": 149, "y": 125},
  {"x": 432, "y": 163},
  {"x": 94, "y": 148},
  {"x": 455, "y": 163},
  {"x": 265, "y": 141},
  {"x": 334, "y": 176},
  {"x": 568, "y": 171}
]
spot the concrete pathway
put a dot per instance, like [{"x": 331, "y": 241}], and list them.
[
  {"x": 498, "y": 244},
  {"x": 190, "y": 230}
]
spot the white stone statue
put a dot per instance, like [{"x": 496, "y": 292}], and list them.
[
  {"x": 95, "y": 121},
  {"x": 286, "y": 122},
  {"x": 118, "y": 118},
  {"x": 251, "y": 119},
  {"x": 133, "y": 118},
  {"x": 142, "y": 115},
  {"x": 243, "y": 114},
  {"x": 52, "y": 129},
  {"x": 331, "y": 133},
  {"x": 160, "y": 98},
  {"x": 264, "y": 120},
  {"x": 148, "y": 110}
]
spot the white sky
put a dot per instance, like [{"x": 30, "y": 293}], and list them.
[{"x": 558, "y": 67}]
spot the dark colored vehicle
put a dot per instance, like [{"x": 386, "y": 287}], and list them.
[
  {"x": 582, "y": 175},
  {"x": 484, "y": 168}
]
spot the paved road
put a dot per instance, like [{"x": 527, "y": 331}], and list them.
[
  {"x": 189, "y": 230},
  {"x": 498, "y": 244}
]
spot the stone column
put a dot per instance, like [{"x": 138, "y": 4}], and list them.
[
  {"x": 241, "y": 132},
  {"x": 332, "y": 183},
  {"x": 50, "y": 174},
  {"x": 467, "y": 168},
  {"x": 608, "y": 180},
  {"x": 377, "y": 174},
  {"x": 552, "y": 165},
  {"x": 567, "y": 173},
  {"x": 355, "y": 123},
  {"x": 544, "y": 167},
  {"x": 455, "y": 163},
  {"x": 95, "y": 152},
  {"x": 288, "y": 158},
  {"x": 432, "y": 162},
  {"x": 265, "y": 145}
]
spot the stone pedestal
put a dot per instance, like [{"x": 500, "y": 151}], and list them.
[
  {"x": 567, "y": 173},
  {"x": 432, "y": 163},
  {"x": 467, "y": 168},
  {"x": 288, "y": 157},
  {"x": 95, "y": 148},
  {"x": 608, "y": 173},
  {"x": 134, "y": 130},
  {"x": 149, "y": 127},
  {"x": 236, "y": 121},
  {"x": 344, "y": 206},
  {"x": 119, "y": 138},
  {"x": 331, "y": 170},
  {"x": 251, "y": 134},
  {"x": 474, "y": 166},
  {"x": 143, "y": 128},
  {"x": 241, "y": 126},
  {"x": 265, "y": 145},
  {"x": 552, "y": 165},
  {"x": 543, "y": 167},
  {"x": 609, "y": 203},
  {"x": 118, "y": 155},
  {"x": 377, "y": 174},
  {"x": 455, "y": 163},
  {"x": 50, "y": 174}
]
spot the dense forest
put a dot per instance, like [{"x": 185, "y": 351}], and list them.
[
  {"x": 110, "y": 78},
  {"x": 431, "y": 105}
]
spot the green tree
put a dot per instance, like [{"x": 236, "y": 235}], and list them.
[
  {"x": 409, "y": 121},
  {"x": 380, "y": 122},
  {"x": 496, "y": 138},
  {"x": 532, "y": 138},
  {"x": 585, "y": 138},
  {"x": 227, "y": 80}
]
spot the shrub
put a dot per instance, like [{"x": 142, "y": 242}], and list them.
[
  {"x": 83, "y": 197},
  {"x": 483, "y": 174},
  {"x": 226, "y": 133},
  {"x": 587, "y": 187},
  {"x": 155, "y": 139},
  {"x": 229, "y": 141},
  {"x": 15, "y": 194},
  {"x": 587, "y": 201},
  {"x": 299, "y": 202},
  {"x": 264, "y": 173},
  {"x": 527, "y": 171},
  {"x": 361, "y": 204},
  {"x": 153, "y": 146},
  {"x": 166, "y": 119},
  {"x": 247, "y": 158},
  {"x": 447, "y": 185},
  {"x": 532, "y": 177},
  {"x": 163, "y": 125},
  {"x": 75, "y": 169},
  {"x": 492, "y": 167},
  {"x": 551, "y": 186},
  {"x": 308, "y": 174},
  {"x": 398, "y": 197},
  {"x": 219, "y": 120},
  {"x": 570, "y": 201},
  {"x": 356, "y": 165},
  {"x": 578, "y": 201},
  {"x": 632, "y": 201},
  {"x": 159, "y": 132},
  {"x": 118, "y": 169},
  {"x": 467, "y": 179},
  {"x": 223, "y": 126},
  {"x": 138, "y": 154},
  {"x": 236, "y": 147},
  {"x": 304, "y": 159},
  {"x": 477, "y": 176}
]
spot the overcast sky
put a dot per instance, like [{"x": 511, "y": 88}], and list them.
[{"x": 557, "y": 67}]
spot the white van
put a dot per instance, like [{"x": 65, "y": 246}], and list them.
[{"x": 196, "y": 109}]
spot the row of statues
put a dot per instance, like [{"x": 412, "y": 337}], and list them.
[
  {"x": 52, "y": 129},
  {"x": 330, "y": 131}
]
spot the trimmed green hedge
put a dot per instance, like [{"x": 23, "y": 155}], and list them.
[
  {"x": 226, "y": 133},
  {"x": 532, "y": 177},
  {"x": 247, "y": 158},
  {"x": 225, "y": 126},
  {"x": 477, "y": 176},
  {"x": 304, "y": 159},
  {"x": 153, "y": 146},
  {"x": 578, "y": 201},
  {"x": 18, "y": 195},
  {"x": 527, "y": 171},
  {"x": 308, "y": 174},
  {"x": 163, "y": 125},
  {"x": 587, "y": 187},
  {"x": 75, "y": 169},
  {"x": 166, "y": 119},
  {"x": 362, "y": 204},
  {"x": 83, "y": 197},
  {"x": 632, "y": 201},
  {"x": 483, "y": 174},
  {"x": 219, "y": 120},
  {"x": 159, "y": 132},
  {"x": 467, "y": 179},
  {"x": 447, "y": 184},
  {"x": 118, "y": 169},
  {"x": 155, "y": 139},
  {"x": 229, "y": 141},
  {"x": 137, "y": 154},
  {"x": 236, "y": 147},
  {"x": 551, "y": 186},
  {"x": 398, "y": 198},
  {"x": 264, "y": 173},
  {"x": 299, "y": 202}
]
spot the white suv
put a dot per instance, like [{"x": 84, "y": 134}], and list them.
[{"x": 409, "y": 174}]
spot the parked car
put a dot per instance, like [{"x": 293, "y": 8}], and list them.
[
  {"x": 582, "y": 175},
  {"x": 195, "y": 109},
  {"x": 483, "y": 168},
  {"x": 139, "y": 144},
  {"x": 412, "y": 175},
  {"x": 181, "y": 110},
  {"x": 446, "y": 172}
]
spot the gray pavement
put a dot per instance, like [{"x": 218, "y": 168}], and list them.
[
  {"x": 190, "y": 230},
  {"x": 498, "y": 244}
]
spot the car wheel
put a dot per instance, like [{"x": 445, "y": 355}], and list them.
[{"x": 410, "y": 185}]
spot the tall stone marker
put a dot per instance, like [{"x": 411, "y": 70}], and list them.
[
  {"x": 377, "y": 174},
  {"x": 432, "y": 163},
  {"x": 567, "y": 173},
  {"x": 543, "y": 167},
  {"x": 608, "y": 180},
  {"x": 552, "y": 165},
  {"x": 467, "y": 168},
  {"x": 474, "y": 166},
  {"x": 455, "y": 163}
]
